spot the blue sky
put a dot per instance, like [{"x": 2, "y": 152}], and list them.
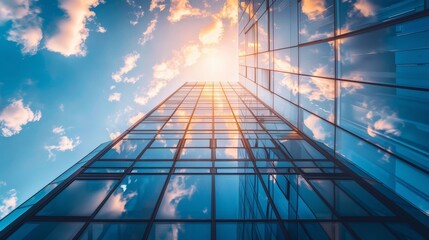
[{"x": 75, "y": 73}]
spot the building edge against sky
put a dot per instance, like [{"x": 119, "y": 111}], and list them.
[{"x": 353, "y": 76}]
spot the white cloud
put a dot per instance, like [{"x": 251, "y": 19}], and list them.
[
  {"x": 61, "y": 107},
  {"x": 8, "y": 203},
  {"x": 132, "y": 79},
  {"x": 157, "y": 4},
  {"x": 137, "y": 14},
  {"x": 115, "y": 97},
  {"x": 314, "y": 9},
  {"x": 65, "y": 144},
  {"x": 168, "y": 70},
  {"x": 2, "y": 183},
  {"x": 26, "y": 25},
  {"x": 101, "y": 29},
  {"x": 130, "y": 61},
  {"x": 229, "y": 11},
  {"x": 58, "y": 130},
  {"x": 182, "y": 8},
  {"x": 213, "y": 33},
  {"x": 135, "y": 118},
  {"x": 366, "y": 8},
  {"x": 114, "y": 135},
  {"x": 315, "y": 125},
  {"x": 16, "y": 115},
  {"x": 72, "y": 31},
  {"x": 148, "y": 34}
]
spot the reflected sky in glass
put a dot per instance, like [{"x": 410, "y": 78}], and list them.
[{"x": 186, "y": 197}]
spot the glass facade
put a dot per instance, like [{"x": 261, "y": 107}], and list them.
[
  {"x": 353, "y": 76},
  {"x": 212, "y": 161}
]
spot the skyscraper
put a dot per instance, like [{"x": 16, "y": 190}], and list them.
[
  {"x": 213, "y": 161},
  {"x": 324, "y": 137}
]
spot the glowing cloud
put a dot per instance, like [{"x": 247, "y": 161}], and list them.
[
  {"x": 115, "y": 97},
  {"x": 130, "y": 61},
  {"x": 314, "y": 9},
  {"x": 213, "y": 33},
  {"x": 72, "y": 32},
  {"x": 148, "y": 34},
  {"x": 65, "y": 144},
  {"x": 133, "y": 119},
  {"x": 8, "y": 203},
  {"x": 364, "y": 7},
  {"x": 26, "y": 25},
  {"x": 182, "y": 8},
  {"x": 16, "y": 115},
  {"x": 154, "y": 4},
  {"x": 314, "y": 124}
]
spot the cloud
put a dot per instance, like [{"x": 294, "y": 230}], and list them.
[
  {"x": 26, "y": 25},
  {"x": 315, "y": 125},
  {"x": 114, "y": 135},
  {"x": 364, "y": 7},
  {"x": 182, "y": 8},
  {"x": 176, "y": 191},
  {"x": 169, "y": 69},
  {"x": 380, "y": 122},
  {"x": 132, "y": 79},
  {"x": 72, "y": 31},
  {"x": 314, "y": 9},
  {"x": 135, "y": 118},
  {"x": 16, "y": 115},
  {"x": 65, "y": 144},
  {"x": 318, "y": 89},
  {"x": 154, "y": 4},
  {"x": 2, "y": 183},
  {"x": 61, "y": 107},
  {"x": 213, "y": 33},
  {"x": 129, "y": 64},
  {"x": 8, "y": 203},
  {"x": 148, "y": 34},
  {"x": 58, "y": 130},
  {"x": 115, "y": 97},
  {"x": 229, "y": 11},
  {"x": 101, "y": 29},
  {"x": 137, "y": 14}
]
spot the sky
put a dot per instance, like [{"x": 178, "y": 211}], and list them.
[{"x": 77, "y": 73}]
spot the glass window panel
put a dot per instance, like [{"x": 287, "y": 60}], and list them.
[
  {"x": 286, "y": 60},
  {"x": 105, "y": 170},
  {"x": 384, "y": 116},
  {"x": 193, "y": 164},
  {"x": 355, "y": 14},
  {"x": 182, "y": 231},
  {"x": 390, "y": 60},
  {"x": 197, "y": 143},
  {"x": 317, "y": 60},
  {"x": 241, "y": 231},
  {"x": 316, "y": 20},
  {"x": 231, "y": 153},
  {"x": 153, "y": 164},
  {"x": 318, "y": 129},
  {"x": 285, "y": 23},
  {"x": 111, "y": 231},
  {"x": 134, "y": 198},
  {"x": 150, "y": 170},
  {"x": 286, "y": 86},
  {"x": 80, "y": 198},
  {"x": 47, "y": 230},
  {"x": 318, "y": 96},
  {"x": 192, "y": 170},
  {"x": 301, "y": 149},
  {"x": 241, "y": 197},
  {"x": 159, "y": 153},
  {"x": 165, "y": 143},
  {"x": 263, "y": 37},
  {"x": 195, "y": 153},
  {"x": 126, "y": 149},
  {"x": 186, "y": 197},
  {"x": 111, "y": 164}
]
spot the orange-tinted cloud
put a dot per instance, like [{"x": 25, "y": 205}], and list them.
[{"x": 182, "y": 8}]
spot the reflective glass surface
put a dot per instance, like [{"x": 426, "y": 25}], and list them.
[{"x": 215, "y": 162}]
